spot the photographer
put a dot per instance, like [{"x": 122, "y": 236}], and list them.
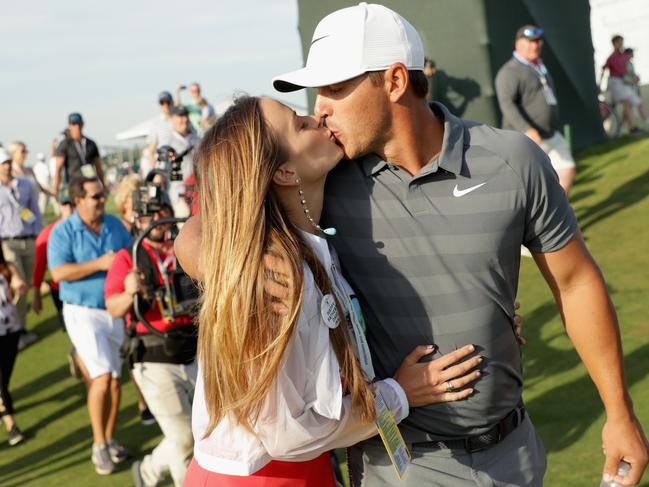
[{"x": 163, "y": 359}]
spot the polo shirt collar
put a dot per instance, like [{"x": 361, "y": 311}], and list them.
[
  {"x": 451, "y": 156},
  {"x": 77, "y": 223}
]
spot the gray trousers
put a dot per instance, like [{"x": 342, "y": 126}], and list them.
[
  {"x": 518, "y": 460},
  {"x": 21, "y": 253}
]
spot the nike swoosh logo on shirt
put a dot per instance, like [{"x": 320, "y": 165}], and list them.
[
  {"x": 461, "y": 192},
  {"x": 319, "y": 38}
]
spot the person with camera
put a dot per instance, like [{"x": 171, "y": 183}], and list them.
[{"x": 161, "y": 348}]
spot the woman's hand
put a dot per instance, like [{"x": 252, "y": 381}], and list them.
[{"x": 440, "y": 380}]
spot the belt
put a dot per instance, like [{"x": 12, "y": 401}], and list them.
[
  {"x": 481, "y": 442},
  {"x": 21, "y": 237}
]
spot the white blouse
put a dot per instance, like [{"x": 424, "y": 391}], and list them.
[
  {"x": 9, "y": 322},
  {"x": 305, "y": 413}
]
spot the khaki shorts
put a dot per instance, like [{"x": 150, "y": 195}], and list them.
[
  {"x": 620, "y": 91},
  {"x": 558, "y": 151}
]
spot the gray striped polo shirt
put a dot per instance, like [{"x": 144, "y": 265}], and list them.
[{"x": 435, "y": 258}]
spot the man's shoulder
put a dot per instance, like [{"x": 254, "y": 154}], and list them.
[
  {"x": 114, "y": 223},
  {"x": 511, "y": 146},
  {"x": 62, "y": 228},
  {"x": 510, "y": 68}
]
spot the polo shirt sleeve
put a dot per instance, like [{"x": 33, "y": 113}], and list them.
[
  {"x": 118, "y": 271},
  {"x": 507, "y": 92},
  {"x": 550, "y": 222},
  {"x": 59, "y": 246},
  {"x": 61, "y": 148}
]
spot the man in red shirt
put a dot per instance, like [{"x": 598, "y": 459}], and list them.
[
  {"x": 165, "y": 374},
  {"x": 620, "y": 92},
  {"x": 77, "y": 368}
]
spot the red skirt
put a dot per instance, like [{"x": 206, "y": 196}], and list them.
[{"x": 313, "y": 473}]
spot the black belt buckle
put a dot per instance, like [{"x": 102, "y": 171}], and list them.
[{"x": 475, "y": 444}]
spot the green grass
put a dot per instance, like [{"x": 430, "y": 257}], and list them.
[{"x": 610, "y": 198}]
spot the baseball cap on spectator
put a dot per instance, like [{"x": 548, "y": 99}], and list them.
[
  {"x": 64, "y": 196},
  {"x": 4, "y": 155},
  {"x": 353, "y": 41},
  {"x": 165, "y": 97},
  {"x": 75, "y": 119},
  {"x": 529, "y": 32},
  {"x": 40, "y": 157},
  {"x": 179, "y": 110}
]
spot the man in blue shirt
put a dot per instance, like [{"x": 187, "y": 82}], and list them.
[
  {"x": 20, "y": 222},
  {"x": 80, "y": 251}
]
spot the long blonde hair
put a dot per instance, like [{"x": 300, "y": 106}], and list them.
[{"x": 241, "y": 340}]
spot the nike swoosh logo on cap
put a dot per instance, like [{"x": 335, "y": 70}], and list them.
[
  {"x": 461, "y": 192},
  {"x": 319, "y": 38}
]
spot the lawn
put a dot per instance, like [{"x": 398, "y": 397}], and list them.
[{"x": 610, "y": 199}]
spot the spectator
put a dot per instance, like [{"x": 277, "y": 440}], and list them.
[
  {"x": 430, "y": 69},
  {"x": 528, "y": 102},
  {"x": 18, "y": 151},
  {"x": 43, "y": 180},
  {"x": 160, "y": 132},
  {"x": 166, "y": 378},
  {"x": 10, "y": 330},
  {"x": 183, "y": 140},
  {"x": 632, "y": 79},
  {"x": 79, "y": 252},
  {"x": 20, "y": 221},
  {"x": 76, "y": 155},
  {"x": 616, "y": 64},
  {"x": 124, "y": 200},
  {"x": 77, "y": 368},
  {"x": 201, "y": 114}
]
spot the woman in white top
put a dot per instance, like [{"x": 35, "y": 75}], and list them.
[{"x": 275, "y": 392}]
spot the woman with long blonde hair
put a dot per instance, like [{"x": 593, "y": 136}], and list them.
[{"x": 276, "y": 392}]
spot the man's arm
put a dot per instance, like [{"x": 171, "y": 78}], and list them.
[
  {"x": 120, "y": 303},
  {"x": 60, "y": 161},
  {"x": 507, "y": 93},
  {"x": 185, "y": 247},
  {"x": 99, "y": 168},
  {"x": 575, "y": 279},
  {"x": 73, "y": 271}
]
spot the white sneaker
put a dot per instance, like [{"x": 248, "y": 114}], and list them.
[
  {"x": 525, "y": 252},
  {"x": 101, "y": 458}
]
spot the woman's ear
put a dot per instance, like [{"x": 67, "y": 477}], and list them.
[{"x": 285, "y": 176}]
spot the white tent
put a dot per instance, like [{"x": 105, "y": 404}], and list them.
[{"x": 138, "y": 131}]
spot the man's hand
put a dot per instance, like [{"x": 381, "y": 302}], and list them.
[
  {"x": 276, "y": 283},
  {"x": 624, "y": 440},
  {"x": 37, "y": 302},
  {"x": 132, "y": 283},
  {"x": 105, "y": 261},
  {"x": 440, "y": 380},
  {"x": 533, "y": 134}
]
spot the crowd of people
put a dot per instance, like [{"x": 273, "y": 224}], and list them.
[{"x": 338, "y": 301}]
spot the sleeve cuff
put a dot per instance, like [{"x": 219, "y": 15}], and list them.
[{"x": 398, "y": 399}]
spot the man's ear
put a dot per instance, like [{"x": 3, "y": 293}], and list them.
[
  {"x": 396, "y": 81},
  {"x": 285, "y": 176}
]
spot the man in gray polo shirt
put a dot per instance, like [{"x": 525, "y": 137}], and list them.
[
  {"x": 430, "y": 215},
  {"x": 527, "y": 99}
]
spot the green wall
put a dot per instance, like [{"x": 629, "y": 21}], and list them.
[{"x": 470, "y": 39}]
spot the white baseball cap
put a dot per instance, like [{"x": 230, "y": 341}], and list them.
[
  {"x": 353, "y": 41},
  {"x": 4, "y": 155}
]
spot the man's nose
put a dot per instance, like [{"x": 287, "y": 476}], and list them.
[{"x": 321, "y": 108}]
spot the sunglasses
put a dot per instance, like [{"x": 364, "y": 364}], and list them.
[
  {"x": 98, "y": 196},
  {"x": 532, "y": 32}
]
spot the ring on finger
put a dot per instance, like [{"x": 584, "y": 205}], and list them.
[{"x": 449, "y": 386}]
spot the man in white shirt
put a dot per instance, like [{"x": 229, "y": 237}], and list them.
[
  {"x": 44, "y": 181},
  {"x": 160, "y": 133}
]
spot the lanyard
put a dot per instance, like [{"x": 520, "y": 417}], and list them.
[
  {"x": 539, "y": 69},
  {"x": 355, "y": 323},
  {"x": 81, "y": 149}
]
